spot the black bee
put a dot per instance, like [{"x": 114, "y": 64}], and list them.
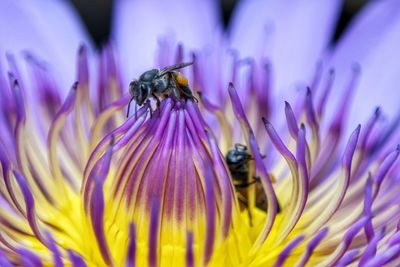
[
  {"x": 158, "y": 83},
  {"x": 238, "y": 160},
  {"x": 238, "y": 163}
]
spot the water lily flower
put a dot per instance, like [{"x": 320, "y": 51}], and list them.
[{"x": 83, "y": 185}]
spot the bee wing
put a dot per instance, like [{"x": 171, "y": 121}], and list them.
[{"x": 173, "y": 67}]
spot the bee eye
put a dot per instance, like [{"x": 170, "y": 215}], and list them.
[
  {"x": 132, "y": 86},
  {"x": 143, "y": 88}
]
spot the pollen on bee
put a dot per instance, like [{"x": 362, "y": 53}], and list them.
[{"x": 182, "y": 80}]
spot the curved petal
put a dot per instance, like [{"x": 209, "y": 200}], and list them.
[
  {"x": 292, "y": 34},
  {"x": 50, "y": 30},
  {"x": 372, "y": 41},
  {"x": 138, "y": 25}
]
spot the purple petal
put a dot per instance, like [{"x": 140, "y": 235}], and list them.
[
  {"x": 268, "y": 189},
  {"x": 97, "y": 206},
  {"x": 292, "y": 34},
  {"x": 317, "y": 239},
  {"x": 29, "y": 259},
  {"x": 6, "y": 165},
  {"x": 343, "y": 182},
  {"x": 347, "y": 258},
  {"x": 139, "y": 24},
  {"x": 51, "y": 30},
  {"x": 385, "y": 166},
  {"x": 325, "y": 92},
  {"x": 310, "y": 111},
  {"x": 313, "y": 123},
  {"x": 226, "y": 190},
  {"x": 4, "y": 261},
  {"x": 82, "y": 66},
  {"x": 69, "y": 102},
  {"x": 154, "y": 232},
  {"x": 29, "y": 205},
  {"x": 211, "y": 214},
  {"x": 76, "y": 260},
  {"x": 350, "y": 148},
  {"x": 237, "y": 106},
  {"x": 353, "y": 230},
  {"x": 110, "y": 87},
  {"x": 280, "y": 146},
  {"x": 311, "y": 246},
  {"x": 300, "y": 181},
  {"x": 330, "y": 143},
  {"x": 43, "y": 85},
  {"x": 301, "y": 159},
  {"x": 394, "y": 239},
  {"x": 372, "y": 41},
  {"x": 19, "y": 100},
  {"x": 97, "y": 217},
  {"x": 287, "y": 250},
  {"x": 369, "y": 128},
  {"x": 189, "y": 250},
  {"x": 384, "y": 257},
  {"x": 291, "y": 121},
  {"x": 370, "y": 250},
  {"x": 131, "y": 254},
  {"x": 57, "y": 261},
  {"x": 369, "y": 229},
  {"x": 340, "y": 113},
  {"x": 343, "y": 247}
]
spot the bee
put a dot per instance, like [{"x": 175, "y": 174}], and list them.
[
  {"x": 162, "y": 83},
  {"x": 238, "y": 159}
]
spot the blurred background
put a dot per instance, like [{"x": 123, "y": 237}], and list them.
[{"x": 98, "y": 17}]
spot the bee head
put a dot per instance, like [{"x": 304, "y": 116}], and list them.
[
  {"x": 140, "y": 91},
  {"x": 238, "y": 155}
]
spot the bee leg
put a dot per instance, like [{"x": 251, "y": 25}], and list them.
[
  {"x": 188, "y": 93},
  {"x": 262, "y": 157},
  {"x": 135, "y": 111},
  {"x": 129, "y": 107},
  {"x": 151, "y": 111},
  {"x": 247, "y": 184},
  {"x": 158, "y": 104},
  {"x": 244, "y": 202},
  {"x": 174, "y": 87},
  {"x": 176, "y": 93}
]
